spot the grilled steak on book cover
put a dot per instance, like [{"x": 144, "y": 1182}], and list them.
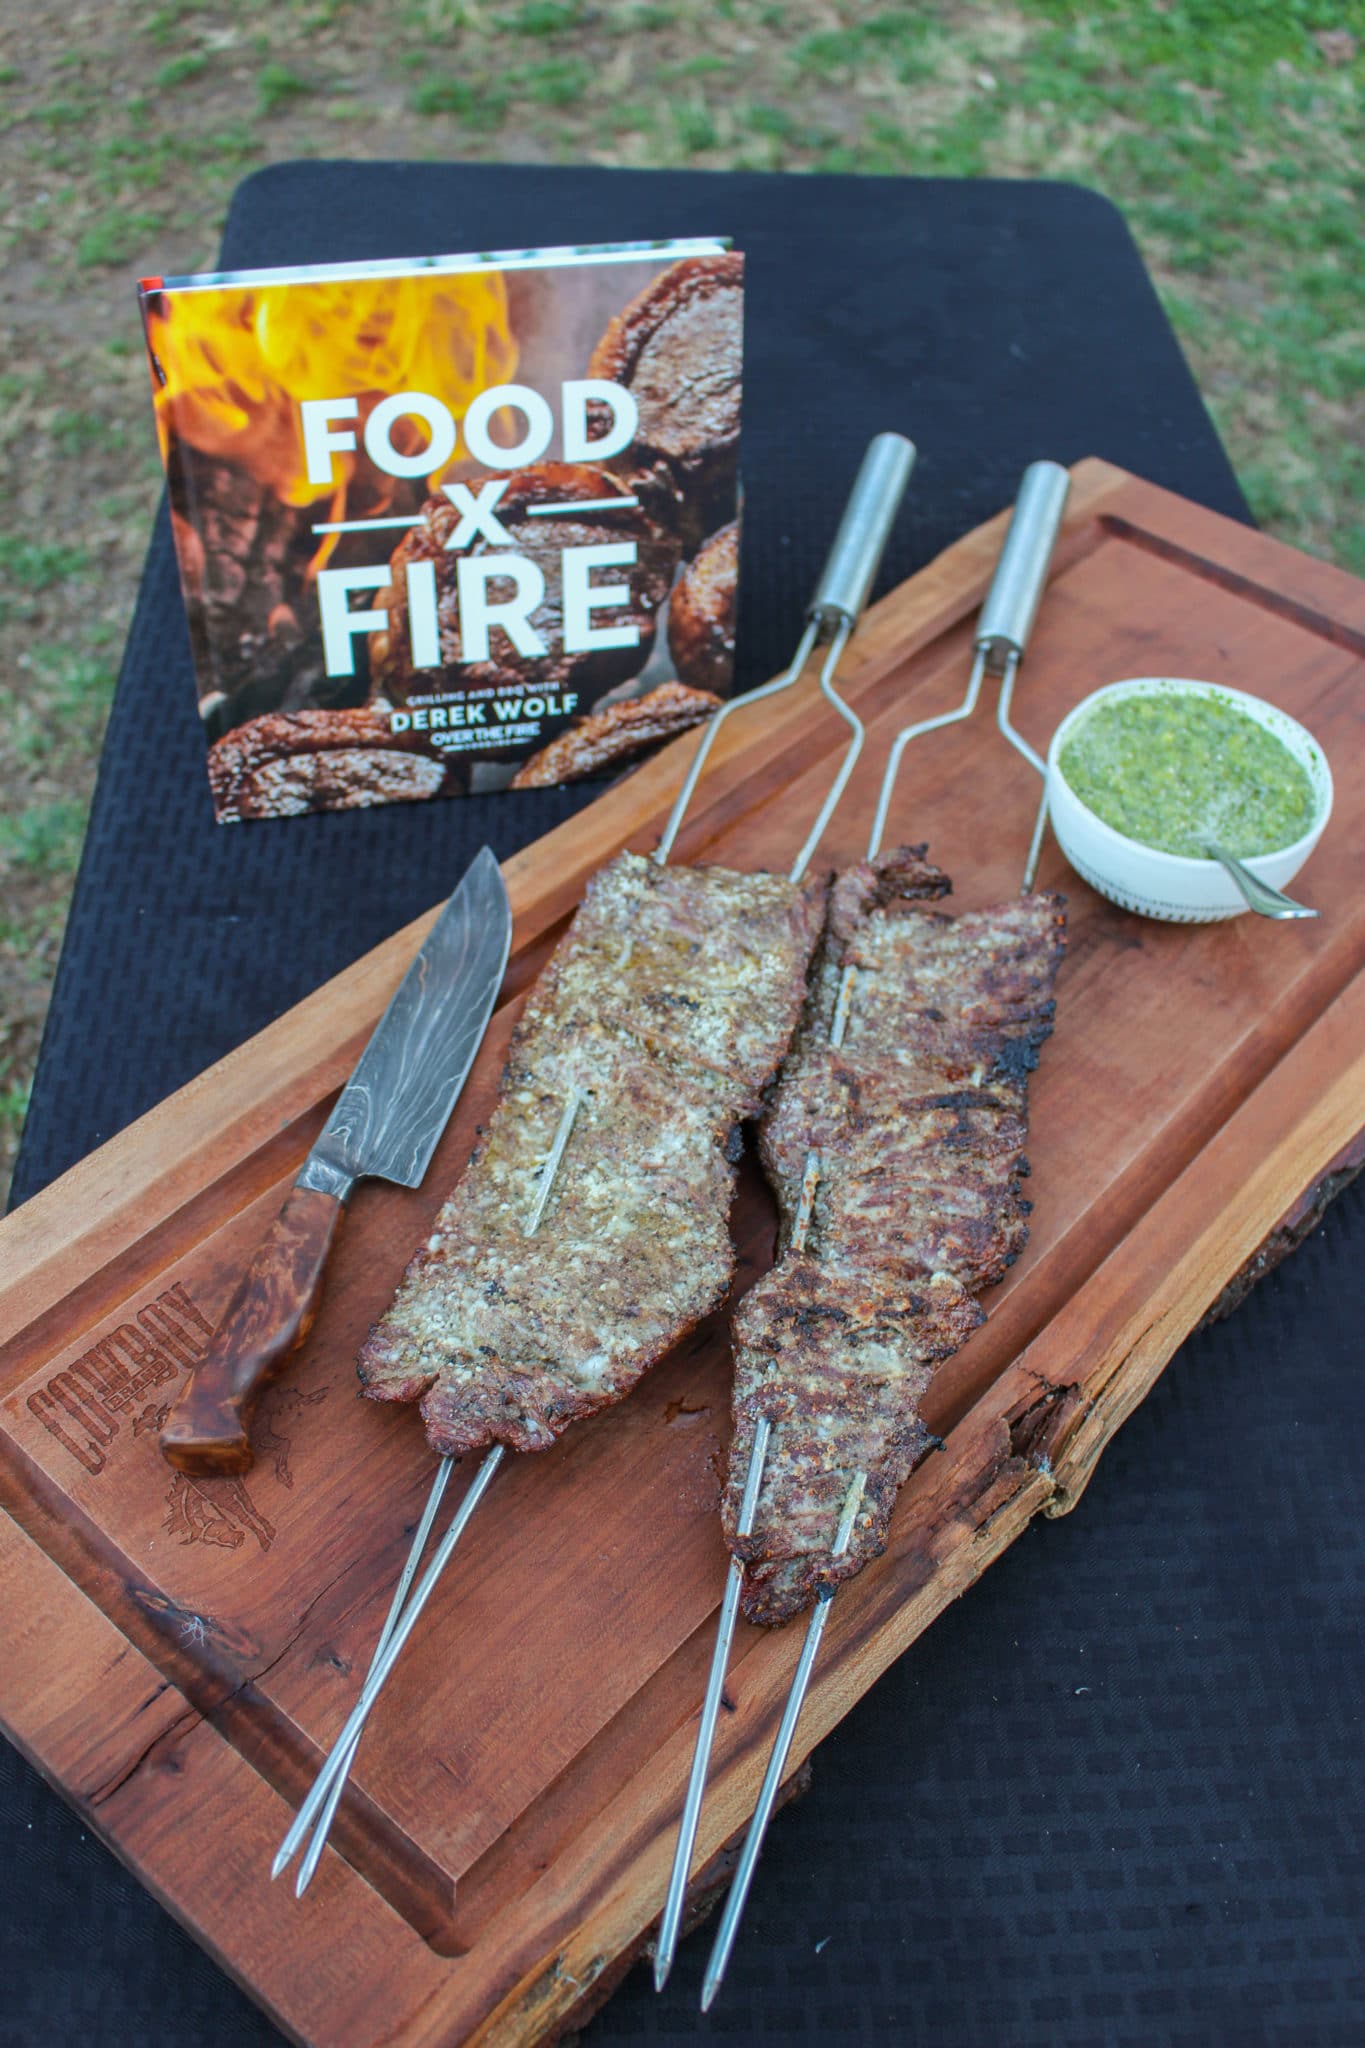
[
  {"x": 309, "y": 415},
  {"x": 285, "y": 763},
  {"x": 615, "y": 733},
  {"x": 541, "y": 537},
  {"x": 701, "y": 613},
  {"x": 679, "y": 348}
]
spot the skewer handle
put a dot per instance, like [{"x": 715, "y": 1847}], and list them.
[
  {"x": 869, "y": 515},
  {"x": 1017, "y": 586}
]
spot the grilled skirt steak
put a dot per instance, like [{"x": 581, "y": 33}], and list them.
[
  {"x": 287, "y": 762},
  {"x": 615, "y": 732},
  {"x": 918, "y": 1122},
  {"x": 701, "y": 614},
  {"x": 838, "y": 1362},
  {"x": 679, "y": 349},
  {"x": 669, "y": 1004},
  {"x": 918, "y": 1183},
  {"x": 542, "y": 540}
]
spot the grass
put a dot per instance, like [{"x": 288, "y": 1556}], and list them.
[
  {"x": 558, "y": 82},
  {"x": 277, "y": 86},
  {"x": 45, "y": 839},
  {"x": 180, "y": 70},
  {"x": 1229, "y": 131},
  {"x": 478, "y": 107},
  {"x": 37, "y": 565},
  {"x": 112, "y": 238}
]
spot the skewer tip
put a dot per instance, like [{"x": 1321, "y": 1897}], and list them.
[
  {"x": 709, "y": 1988},
  {"x": 284, "y": 1856},
  {"x": 662, "y": 1965}
]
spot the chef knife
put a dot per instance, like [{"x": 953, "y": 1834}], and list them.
[{"x": 386, "y": 1124}]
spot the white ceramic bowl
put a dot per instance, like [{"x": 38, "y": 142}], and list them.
[{"x": 1171, "y": 885}]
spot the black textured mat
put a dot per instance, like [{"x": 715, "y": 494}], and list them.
[
  {"x": 991, "y": 322},
  {"x": 1115, "y": 1795}
]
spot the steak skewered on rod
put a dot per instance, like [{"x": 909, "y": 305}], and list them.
[
  {"x": 663, "y": 1015},
  {"x": 694, "y": 976},
  {"x": 972, "y": 1026},
  {"x": 917, "y": 1123}
]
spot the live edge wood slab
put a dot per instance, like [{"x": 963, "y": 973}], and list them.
[{"x": 180, "y": 1652}]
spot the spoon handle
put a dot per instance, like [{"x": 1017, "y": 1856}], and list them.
[{"x": 1260, "y": 897}]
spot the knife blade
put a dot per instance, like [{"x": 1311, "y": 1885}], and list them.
[{"x": 386, "y": 1124}]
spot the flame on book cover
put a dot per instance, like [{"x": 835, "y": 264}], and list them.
[{"x": 453, "y": 525}]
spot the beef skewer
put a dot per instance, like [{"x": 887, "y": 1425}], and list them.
[
  {"x": 588, "y": 1234},
  {"x": 838, "y": 1344},
  {"x": 913, "y": 1316},
  {"x": 629, "y": 1052},
  {"x": 665, "y": 1074},
  {"x": 916, "y": 1123}
]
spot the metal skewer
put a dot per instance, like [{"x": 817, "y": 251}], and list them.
[
  {"x": 839, "y": 598},
  {"x": 842, "y": 591},
  {"x": 325, "y": 1795},
  {"x": 345, "y": 1756},
  {"x": 777, "y": 1761},
  {"x": 1003, "y": 630},
  {"x": 1012, "y": 606},
  {"x": 385, "y": 1657},
  {"x": 715, "y": 1686}
]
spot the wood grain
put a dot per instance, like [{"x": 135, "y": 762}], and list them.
[
  {"x": 207, "y": 1432},
  {"x": 506, "y": 1837}
]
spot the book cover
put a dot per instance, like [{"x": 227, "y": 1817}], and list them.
[{"x": 452, "y": 524}]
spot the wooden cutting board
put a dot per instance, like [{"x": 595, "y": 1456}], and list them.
[{"x": 181, "y": 1653}]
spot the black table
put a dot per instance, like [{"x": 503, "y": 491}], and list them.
[{"x": 1115, "y": 1795}]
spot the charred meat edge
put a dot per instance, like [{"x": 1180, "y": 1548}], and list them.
[{"x": 889, "y": 1296}]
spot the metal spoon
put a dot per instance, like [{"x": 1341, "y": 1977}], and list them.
[{"x": 1260, "y": 897}]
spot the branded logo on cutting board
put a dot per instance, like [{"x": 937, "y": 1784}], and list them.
[
  {"x": 281, "y": 1405},
  {"x": 91, "y": 1403},
  {"x": 85, "y": 1405},
  {"x": 216, "y": 1511}
]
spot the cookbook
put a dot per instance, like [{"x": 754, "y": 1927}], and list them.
[{"x": 453, "y": 524}]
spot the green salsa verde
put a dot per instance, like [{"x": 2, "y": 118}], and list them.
[{"x": 1177, "y": 770}]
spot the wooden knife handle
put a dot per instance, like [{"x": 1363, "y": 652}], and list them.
[{"x": 268, "y": 1317}]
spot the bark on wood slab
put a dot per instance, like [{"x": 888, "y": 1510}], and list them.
[
  {"x": 1299, "y": 1221},
  {"x": 188, "y": 1647},
  {"x": 705, "y": 1892}
]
